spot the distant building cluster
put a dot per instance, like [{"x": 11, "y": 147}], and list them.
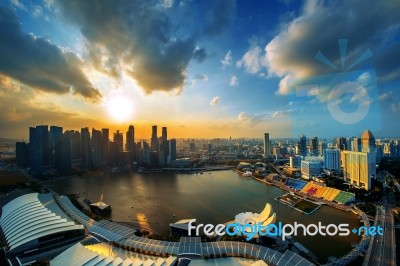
[
  {"x": 58, "y": 150},
  {"x": 353, "y": 158}
]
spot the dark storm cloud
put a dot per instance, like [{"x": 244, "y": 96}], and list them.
[
  {"x": 366, "y": 24},
  {"x": 37, "y": 63},
  {"x": 134, "y": 37}
]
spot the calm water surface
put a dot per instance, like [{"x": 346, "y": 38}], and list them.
[{"x": 214, "y": 197}]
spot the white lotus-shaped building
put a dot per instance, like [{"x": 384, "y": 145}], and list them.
[{"x": 266, "y": 217}]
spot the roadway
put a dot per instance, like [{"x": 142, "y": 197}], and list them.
[{"x": 383, "y": 249}]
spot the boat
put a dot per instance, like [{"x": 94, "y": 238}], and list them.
[
  {"x": 100, "y": 208},
  {"x": 247, "y": 174}
]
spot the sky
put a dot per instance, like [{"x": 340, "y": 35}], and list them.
[{"x": 204, "y": 69}]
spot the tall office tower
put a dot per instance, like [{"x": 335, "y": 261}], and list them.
[
  {"x": 310, "y": 169},
  {"x": 154, "y": 144},
  {"x": 314, "y": 146},
  {"x": 172, "y": 150},
  {"x": 357, "y": 169},
  {"x": 332, "y": 159},
  {"x": 349, "y": 144},
  {"x": 146, "y": 152},
  {"x": 44, "y": 131},
  {"x": 302, "y": 145},
  {"x": 130, "y": 145},
  {"x": 119, "y": 141},
  {"x": 368, "y": 145},
  {"x": 295, "y": 162},
  {"x": 192, "y": 147},
  {"x": 56, "y": 135},
  {"x": 154, "y": 132},
  {"x": 39, "y": 148},
  {"x": 75, "y": 143},
  {"x": 267, "y": 146},
  {"x": 321, "y": 147},
  {"x": 35, "y": 150},
  {"x": 164, "y": 135},
  {"x": 114, "y": 153},
  {"x": 105, "y": 134},
  {"x": 209, "y": 148},
  {"x": 341, "y": 144},
  {"x": 164, "y": 147},
  {"x": 86, "y": 150},
  {"x": 21, "y": 154},
  {"x": 368, "y": 141},
  {"x": 356, "y": 144},
  {"x": 130, "y": 139},
  {"x": 63, "y": 154},
  {"x": 97, "y": 152}
]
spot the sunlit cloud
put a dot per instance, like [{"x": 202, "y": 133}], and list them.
[{"x": 215, "y": 101}]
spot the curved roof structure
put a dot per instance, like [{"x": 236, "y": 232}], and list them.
[{"x": 33, "y": 216}]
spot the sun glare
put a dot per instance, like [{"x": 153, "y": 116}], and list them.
[{"x": 120, "y": 108}]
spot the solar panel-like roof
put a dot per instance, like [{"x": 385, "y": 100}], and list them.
[{"x": 32, "y": 216}]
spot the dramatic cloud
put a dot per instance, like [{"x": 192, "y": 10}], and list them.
[
  {"x": 36, "y": 62},
  {"x": 134, "y": 37},
  {"x": 252, "y": 60},
  {"x": 366, "y": 25},
  {"x": 227, "y": 61},
  {"x": 215, "y": 101},
  {"x": 234, "y": 81},
  {"x": 21, "y": 112}
]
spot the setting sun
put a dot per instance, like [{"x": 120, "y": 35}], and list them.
[{"x": 120, "y": 108}]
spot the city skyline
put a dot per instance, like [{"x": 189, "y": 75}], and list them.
[{"x": 227, "y": 73}]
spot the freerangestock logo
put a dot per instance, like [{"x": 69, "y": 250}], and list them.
[{"x": 249, "y": 231}]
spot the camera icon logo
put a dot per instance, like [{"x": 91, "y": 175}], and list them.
[{"x": 343, "y": 102}]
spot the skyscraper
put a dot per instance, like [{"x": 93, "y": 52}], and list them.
[
  {"x": 314, "y": 146},
  {"x": 302, "y": 145},
  {"x": 130, "y": 143},
  {"x": 332, "y": 159},
  {"x": 164, "y": 147},
  {"x": 154, "y": 145},
  {"x": 56, "y": 135},
  {"x": 368, "y": 145},
  {"x": 75, "y": 143},
  {"x": 105, "y": 134},
  {"x": 368, "y": 141},
  {"x": 357, "y": 169},
  {"x": 267, "y": 147},
  {"x": 119, "y": 141},
  {"x": 172, "y": 150},
  {"x": 341, "y": 143},
  {"x": 164, "y": 135},
  {"x": 39, "y": 148},
  {"x": 63, "y": 154},
  {"x": 85, "y": 147},
  {"x": 96, "y": 143},
  {"x": 356, "y": 144},
  {"x": 321, "y": 147}
]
